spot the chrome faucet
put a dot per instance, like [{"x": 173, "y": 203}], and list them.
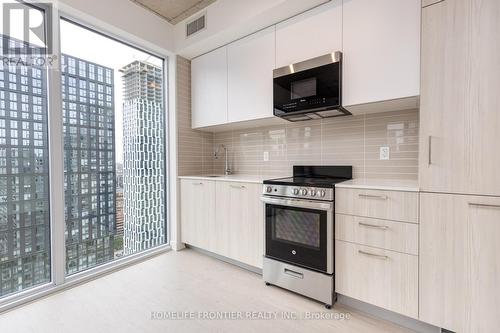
[{"x": 227, "y": 169}]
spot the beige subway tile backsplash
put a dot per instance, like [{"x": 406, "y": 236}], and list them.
[{"x": 334, "y": 141}]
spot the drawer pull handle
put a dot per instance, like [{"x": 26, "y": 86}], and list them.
[
  {"x": 238, "y": 186},
  {"x": 293, "y": 273},
  {"x": 483, "y": 205},
  {"x": 381, "y": 227},
  {"x": 197, "y": 183},
  {"x": 370, "y": 196},
  {"x": 373, "y": 255},
  {"x": 430, "y": 151}
]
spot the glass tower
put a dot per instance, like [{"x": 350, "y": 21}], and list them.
[
  {"x": 144, "y": 157},
  {"x": 89, "y": 163},
  {"x": 24, "y": 173}
]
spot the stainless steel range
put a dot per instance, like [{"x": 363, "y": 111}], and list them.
[{"x": 299, "y": 227}]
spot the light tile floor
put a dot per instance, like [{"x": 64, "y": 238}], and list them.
[{"x": 185, "y": 281}]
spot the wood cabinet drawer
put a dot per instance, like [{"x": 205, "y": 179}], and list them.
[
  {"x": 389, "y": 235},
  {"x": 390, "y": 205},
  {"x": 383, "y": 278}
]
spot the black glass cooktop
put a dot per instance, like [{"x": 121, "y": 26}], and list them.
[{"x": 315, "y": 176}]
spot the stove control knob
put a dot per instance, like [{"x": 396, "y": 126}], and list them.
[
  {"x": 303, "y": 192},
  {"x": 269, "y": 189},
  {"x": 322, "y": 193},
  {"x": 313, "y": 193},
  {"x": 296, "y": 191}
]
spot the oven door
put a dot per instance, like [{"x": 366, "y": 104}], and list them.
[{"x": 300, "y": 232}]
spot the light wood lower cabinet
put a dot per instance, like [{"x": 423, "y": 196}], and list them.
[
  {"x": 239, "y": 222},
  {"x": 383, "y": 278},
  {"x": 459, "y": 262},
  {"x": 376, "y": 248},
  {"x": 384, "y": 234},
  {"x": 198, "y": 213},
  {"x": 390, "y": 205},
  {"x": 225, "y": 218}
]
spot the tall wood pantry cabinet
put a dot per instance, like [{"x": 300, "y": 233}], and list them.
[{"x": 459, "y": 270}]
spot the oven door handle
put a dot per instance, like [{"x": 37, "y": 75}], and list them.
[{"x": 326, "y": 206}]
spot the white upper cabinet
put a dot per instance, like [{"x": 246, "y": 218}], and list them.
[
  {"x": 209, "y": 89},
  {"x": 381, "y": 50},
  {"x": 250, "y": 63},
  {"x": 380, "y": 41},
  {"x": 309, "y": 35}
]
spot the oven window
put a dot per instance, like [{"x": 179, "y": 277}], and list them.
[
  {"x": 297, "y": 227},
  {"x": 303, "y": 88},
  {"x": 298, "y": 235}
]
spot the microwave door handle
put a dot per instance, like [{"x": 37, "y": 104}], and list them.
[{"x": 299, "y": 203}]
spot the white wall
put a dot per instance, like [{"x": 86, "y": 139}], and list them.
[
  {"x": 125, "y": 16},
  {"x": 228, "y": 20}
]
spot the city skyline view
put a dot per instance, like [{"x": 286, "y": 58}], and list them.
[
  {"x": 110, "y": 201},
  {"x": 112, "y": 54},
  {"x": 136, "y": 98}
]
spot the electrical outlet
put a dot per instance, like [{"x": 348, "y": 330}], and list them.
[
  {"x": 266, "y": 156},
  {"x": 384, "y": 153}
]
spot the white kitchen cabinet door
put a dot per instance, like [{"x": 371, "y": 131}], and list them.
[
  {"x": 198, "y": 213},
  {"x": 460, "y": 262},
  {"x": 309, "y": 35},
  {"x": 240, "y": 222},
  {"x": 381, "y": 50},
  {"x": 250, "y": 77},
  {"x": 209, "y": 89}
]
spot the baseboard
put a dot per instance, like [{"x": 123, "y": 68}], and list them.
[
  {"x": 226, "y": 259},
  {"x": 375, "y": 311},
  {"x": 177, "y": 246}
]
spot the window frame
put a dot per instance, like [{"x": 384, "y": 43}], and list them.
[{"x": 59, "y": 280}]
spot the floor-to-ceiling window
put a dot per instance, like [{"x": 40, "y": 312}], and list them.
[
  {"x": 114, "y": 148},
  {"x": 110, "y": 97},
  {"x": 24, "y": 150}
]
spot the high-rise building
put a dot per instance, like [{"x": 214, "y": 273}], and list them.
[
  {"x": 24, "y": 174},
  {"x": 144, "y": 157},
  {"x": 89, "y": 163}
]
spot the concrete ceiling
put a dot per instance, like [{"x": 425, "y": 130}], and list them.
[{"x": 174, "y": 11}]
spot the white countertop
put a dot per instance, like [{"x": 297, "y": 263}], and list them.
[
  {"x": 381, "y": 184},
  {"x": 232, "y": 178},
  {"x": 361, "y": 183}
]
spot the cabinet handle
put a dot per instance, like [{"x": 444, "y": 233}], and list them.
[
  {"x": 373, "y": 255},
  {"x": 430, "y": 151},
  {"x": 238, "y": 186},
  {"x": 483, "y": 205},
  {"x": 293, "y": 273},
  {"x": 370, "y": 196},
  {"x": 197, "y": 183},
  {"x": 381, "y": 227}
]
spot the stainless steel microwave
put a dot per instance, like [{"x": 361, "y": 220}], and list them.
[{"x": 310, "y": 89}]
